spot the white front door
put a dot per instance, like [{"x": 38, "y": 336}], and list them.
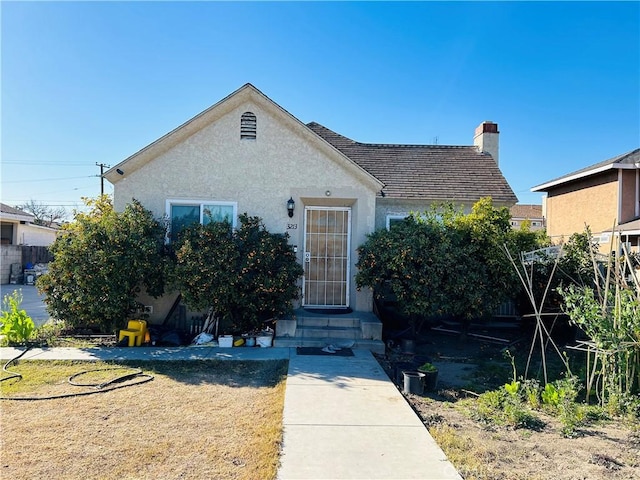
[{"x": 327, "y": 239}]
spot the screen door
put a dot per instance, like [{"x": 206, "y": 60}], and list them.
[{"x": 326, "y": 256}]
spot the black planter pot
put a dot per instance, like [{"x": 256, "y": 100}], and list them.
[
  {"x": 413, "y": 383},
  {"x": 430, "y": 380},
  {"x": 401, "y": 367}
]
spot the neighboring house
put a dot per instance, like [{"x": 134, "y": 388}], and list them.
[
  {"x": 604, "y": 196},
  {"x": 248, "y": 154},
  {"x": 17, "y": 231},
  {"x": 532, "y": 213}
]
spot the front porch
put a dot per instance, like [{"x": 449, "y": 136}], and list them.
[{"x": 308, "y": 328}]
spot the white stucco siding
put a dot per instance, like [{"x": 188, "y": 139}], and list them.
[
  {"x": 215, "y": 164},
  {"x": 260, "y": 175},
  {"x": 36, "y": 235}
]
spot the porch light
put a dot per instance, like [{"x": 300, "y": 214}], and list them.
[{"x": 291, "y": 205}]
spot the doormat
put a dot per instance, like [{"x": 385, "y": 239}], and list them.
[{"x": 344, "y": 352}]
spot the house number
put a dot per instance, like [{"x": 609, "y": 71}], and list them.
[{"x": 292, "y": 226}]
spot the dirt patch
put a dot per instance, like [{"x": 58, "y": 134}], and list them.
[{"x": 601, "y": 450}]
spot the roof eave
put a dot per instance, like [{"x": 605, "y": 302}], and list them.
[
  {"x": 570, "y": 178},
  {"x": 209, "y": 115}
]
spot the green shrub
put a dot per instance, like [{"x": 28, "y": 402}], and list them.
[
  {"x": 101, "y": 261},
  {"x": 247, "y": 275},
  {"x": 17, "y": 326},
  {"x": 444, "y": 262}
]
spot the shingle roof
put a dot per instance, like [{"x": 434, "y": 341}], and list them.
[
  {"x": 426, "y": 172},
  {"x": 526, "y": 211},
  {"x": 13, "y": 211},
  {"x": 631, "y": 158}
]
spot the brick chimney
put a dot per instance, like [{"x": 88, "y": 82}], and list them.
[{"x": 486, "y": 139}]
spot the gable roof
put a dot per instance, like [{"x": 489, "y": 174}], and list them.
[
  {"x": 11, "y": 213},
  {"x": 426, "y": 172},
  {"x": 245, "y": 93},
  {"x": 626, "y": 160},
  {"x": 526, "y": 211}
]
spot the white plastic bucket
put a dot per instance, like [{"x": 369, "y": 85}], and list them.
[{"x": 264, "y": 340}]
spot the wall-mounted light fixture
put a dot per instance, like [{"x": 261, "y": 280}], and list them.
[
  {"x": 291, "y": 205},
  {"x": 120, "y": 172}
]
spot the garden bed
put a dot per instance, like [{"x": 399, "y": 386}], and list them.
[{"x": 602, "y": 448}]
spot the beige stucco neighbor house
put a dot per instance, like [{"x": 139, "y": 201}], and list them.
[
  {"x": 531, "y": 213},
  {"x": 604, "y": 196},
  {"x": 248, "y": 154}
]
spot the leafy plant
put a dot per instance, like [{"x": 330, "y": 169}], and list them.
[
  {"x": 248, "y": 275},
  {"x": 502, "y": 408},
  {"x": 442, "y": 262},
  {"x": 16, "y": 325},
  {"x": 101, "y": 261},
  {"x": 531, "y": 393},
  {"x": 512, "y": 388},
  {"x": 427, "y": 368},
  {"x": 608, "y": 311},
  {"x": 550, "y": 395}
]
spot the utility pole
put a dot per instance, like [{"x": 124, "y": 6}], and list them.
[{"x": 102, "y": 167}]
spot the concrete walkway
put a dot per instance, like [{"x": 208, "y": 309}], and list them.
[{"x": 343, "y": 417}]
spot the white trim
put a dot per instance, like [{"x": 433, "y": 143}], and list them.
[
  {"x": 16, "y": 217},
  {"x": 619, "y": 195},
  {"x": 575, "y": 176},
  {"x": 182, "y": 201},
  {"x": 348, "y": 248},
  {"x": 637, "y": 209},
  {"x": 394, "y": 216},
  {"x": 246, "y": 93}
]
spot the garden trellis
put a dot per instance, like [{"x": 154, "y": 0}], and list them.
[{"x": 607, "y": 310}]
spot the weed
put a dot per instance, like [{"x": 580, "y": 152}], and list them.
[
  {"x": 17, "y": 326},
  {"x": 531, "y": 393},
  {"x": 550, "y": 395},
  {"x": 49, "y": 333}
]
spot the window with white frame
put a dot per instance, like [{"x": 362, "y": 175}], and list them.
[
  {"x": 393, "y": 219},
  {"x": 183, "y": 213}
]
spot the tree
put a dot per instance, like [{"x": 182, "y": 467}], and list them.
[
  {"x": 101, "y": 261},
  {"x": 410, "y": 262},
  {"x": 45, "y": 215},
  {"x": 248, "y": 275},
  {"x": 443, "y": 262}
]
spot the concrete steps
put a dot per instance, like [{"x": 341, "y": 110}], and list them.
[{"x": 362, "y": 330}]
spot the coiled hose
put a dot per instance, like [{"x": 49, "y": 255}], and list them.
[{"x": 98, "y": 387}]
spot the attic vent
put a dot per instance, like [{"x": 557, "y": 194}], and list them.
[{"x": 248, "y": 126}]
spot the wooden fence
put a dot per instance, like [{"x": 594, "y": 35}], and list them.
[{"x": 35, "y": 255}]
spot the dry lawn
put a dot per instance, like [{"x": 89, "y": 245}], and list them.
[{"x": 207, "y": 419}]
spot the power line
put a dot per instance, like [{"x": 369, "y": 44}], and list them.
[
  {"x": 57, "y": 164},
  {"x": 46, "y": 179}
]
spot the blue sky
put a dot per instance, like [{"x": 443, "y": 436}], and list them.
[{"x": 87, "y": 83}]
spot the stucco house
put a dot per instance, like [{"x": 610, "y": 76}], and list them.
[
  {"x": 604, "y": 196},
  {"x": 247, "y": 154},
  {"x": 17, "y": 232},
  {"x": 527, "y": 212}
]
